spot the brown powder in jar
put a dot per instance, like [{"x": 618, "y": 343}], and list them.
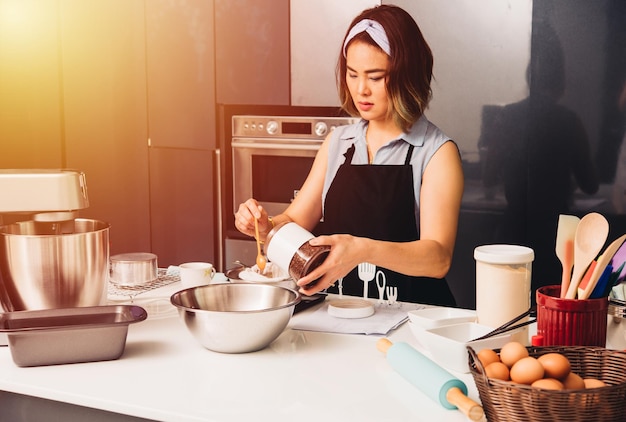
[{"x": 306, "y": 259}]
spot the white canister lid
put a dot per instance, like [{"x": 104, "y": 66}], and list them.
[{"x": 504, "y": 254}]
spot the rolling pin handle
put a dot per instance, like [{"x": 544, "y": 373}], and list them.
[
  {"x": 469, "y": 407},
  {"x": 383, "y": 345}
]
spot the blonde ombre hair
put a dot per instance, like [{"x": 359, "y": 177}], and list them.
[{"x": 410, "y": 65}]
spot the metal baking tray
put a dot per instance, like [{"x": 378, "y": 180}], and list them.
[{"x": 69, "y": 335}]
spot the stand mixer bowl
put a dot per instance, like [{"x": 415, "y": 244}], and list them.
[{"x": 45, "y": 266}]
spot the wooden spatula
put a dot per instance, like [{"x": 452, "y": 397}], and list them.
[{"x": 566, "y": 231}]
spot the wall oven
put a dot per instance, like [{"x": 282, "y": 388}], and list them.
[{"x": 271, "y": 157}]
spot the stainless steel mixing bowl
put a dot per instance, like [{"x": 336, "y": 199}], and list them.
[
  {"x": 236, "y": 317},
  {"x": 48, "y": 265}
]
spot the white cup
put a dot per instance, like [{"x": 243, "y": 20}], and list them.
[
  {"x": 503, "y": 287},
  {"x": 194, "y": 274}
]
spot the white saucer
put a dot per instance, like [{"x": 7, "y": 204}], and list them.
[
  {"x": 350, "y": 308},
  {"x": 252, "y": 274}
]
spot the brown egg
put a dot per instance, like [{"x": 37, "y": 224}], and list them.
[
  {"x": 487, "y": 356},
  {"x": 593, "y": 383},
  {"x": 497, "y": 370},
  {"x": 573, "y": 381},
  {"x": 512, "y": 352},
  {"x": 526, "y": 370},
  {"x": 548, "y": 384},
  {"x": 555, "y": 365}
]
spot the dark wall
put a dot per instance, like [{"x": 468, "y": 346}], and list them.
[{"x": 554, "y": 152}]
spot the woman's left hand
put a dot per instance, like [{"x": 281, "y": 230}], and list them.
[{"x": 343, "y": 257}]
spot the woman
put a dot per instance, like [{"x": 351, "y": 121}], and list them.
[{"x": 389, "y": 187}]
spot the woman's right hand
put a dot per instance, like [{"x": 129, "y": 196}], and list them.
[{"x": 245, "y": 216}]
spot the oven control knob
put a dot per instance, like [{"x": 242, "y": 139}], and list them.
[
  {"x": 321, "y": 129},
  {"x": 272, "y": 127}
]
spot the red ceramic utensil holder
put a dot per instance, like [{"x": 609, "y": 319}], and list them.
[{"x": 570, "y": 322}]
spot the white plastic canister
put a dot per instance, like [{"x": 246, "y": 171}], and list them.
[{"x": 503, "y": 284}]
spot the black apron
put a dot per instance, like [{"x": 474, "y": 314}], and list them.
[{"x": 377, "y": 201}]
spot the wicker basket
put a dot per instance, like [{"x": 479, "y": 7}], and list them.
[{"x": 507, "y": 401}]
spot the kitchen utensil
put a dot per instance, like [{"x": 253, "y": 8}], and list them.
[
  {"x": 69, "y": 335},
  {"x": 586, "y": 277},
  {"x": 565, "y": 233},
  {"x": 381, "y": 282},
  {"x": 133, "y": 269},
  {"x": 367, "y": 272},
  {"x": 439, "y": 316},
  {"x": 448, "y": 344},
  {"x": 196, "y": 273},
  {"x": 570, "y": 322},
  {"x": 42, "y": 191},
  {"x": 260, "y": 258},
  {"x": 236, "y": 317},
  {"x": 506, "y": 401},
  {"x": 503, "y": 284},
  {"x": 431, "y": 379},
  {"x": 350, "y": 308},
  {"x": 273, "y": 274},
  {"x": 510, "y": 325},
  {"x": 591, "y": 234},
  {"x": 584, "y": 291},
  {"x": 617, "y": 278},
  {"x": 619, "y": 258},
  {"x": 392, "y": 295},
  {"x": 39, "y": 270},
  {"x": 604, "y": 285},
  {"x": 288, "y": 246}
]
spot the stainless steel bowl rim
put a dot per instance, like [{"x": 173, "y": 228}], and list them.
[
  {"x": 294, "y": 302},
  {"x": 100, "y": 226}
]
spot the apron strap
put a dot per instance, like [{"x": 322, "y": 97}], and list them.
[{"x": 409, "y": 153}]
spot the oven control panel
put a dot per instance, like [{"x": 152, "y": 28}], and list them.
[{"x": 287, "y": 126}]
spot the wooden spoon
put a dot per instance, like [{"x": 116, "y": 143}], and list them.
[
  {"x": 591, "y": 234},
  {"x": 565, "y": 233},
  {"x": 260, "y": 259}
]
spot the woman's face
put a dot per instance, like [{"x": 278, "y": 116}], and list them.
[{"x": 365, "y": 77}]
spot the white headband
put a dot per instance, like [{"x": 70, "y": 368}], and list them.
[{"x": 374, "y": 29}]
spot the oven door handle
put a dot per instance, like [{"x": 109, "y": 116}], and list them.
[{"x": 268, "y": 145}]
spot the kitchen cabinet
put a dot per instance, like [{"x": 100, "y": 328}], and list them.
[
  {"x": 252, "y": 51},
  {"x": 182, "y": 198},
  {"x": 100, "y": 86},
  {"x": 182, "y": 129},
  {"x": 180, "y": 74},
  {"x": 104, "y": 113},
  {"x": 30, "y": 98}
]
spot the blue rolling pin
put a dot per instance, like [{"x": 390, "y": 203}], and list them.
[{"x": 430, "y": 378}]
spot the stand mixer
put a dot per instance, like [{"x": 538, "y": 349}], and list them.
[
  {"x": 46, "y": 195},
  {"x": 48, "y": 257}
]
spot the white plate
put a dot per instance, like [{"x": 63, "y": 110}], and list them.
[
  {"x": 252, "y": 274},
  {"x": 350, "y": 308}
]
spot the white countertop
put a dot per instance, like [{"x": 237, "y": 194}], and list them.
[{"x": 164, "y": 374}]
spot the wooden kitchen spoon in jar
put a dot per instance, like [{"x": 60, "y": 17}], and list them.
[
  {"x": 260, "y": 258},
  {"x": 591, "y": 235}
]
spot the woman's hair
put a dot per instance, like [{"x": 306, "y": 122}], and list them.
[{"x": 410, "y": 65}]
